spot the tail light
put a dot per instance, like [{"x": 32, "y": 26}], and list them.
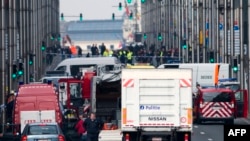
[
  {"x": 186, "y": 137},
  {"x": 127, "y": 137},
  {"x": 201, "y": 106},
  {"x": 201, "y": 103},
  {"x": 232, "y": 104},
  {"x": 61, "y": 138},
  {"x": 24, "y": 138}
]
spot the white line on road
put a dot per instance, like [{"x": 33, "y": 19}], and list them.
[
  {"x": 195, "y": 126},
  {"x": 202, "y": 133},
  {"x": 247, "y": 121},
  {"x": 209, "y": 139}
]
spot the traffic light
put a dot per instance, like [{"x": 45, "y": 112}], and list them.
[
  {"x": 235, "y": 65},
  {"x": 59, "y": 37},
  {"x": 113, "y": 16},
  {"x": 62, "y": 17},
  {"x": 159, "y": 37},
  {"x": 129, "y": 1},
  {"x": 120, "y": 6},
  {"x": 31, "y": 78},
  {"x": 43, "y": 47},
  {"x": 145, "y": 36},
  {"x": 14, "y": 71},
  {"x": 143, "y": 1},
  {"x": 81, "y": 17},
  {"x": 31, "y": 60},
  {"x": 211, "y": 57},
  {"x": 20, "y": 69},
  {"x": 184, "y": 45},
  {"x": 131, "y": 16}
]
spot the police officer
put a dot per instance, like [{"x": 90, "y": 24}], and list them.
[{"x": 93, "y": 127}]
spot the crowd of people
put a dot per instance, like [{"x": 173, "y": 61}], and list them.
[{"x": 129, "y": 54}]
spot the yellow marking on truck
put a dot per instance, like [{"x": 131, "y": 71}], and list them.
[
  {"x": 189, "y": 115},
  {"x": 124, "y": 115}
]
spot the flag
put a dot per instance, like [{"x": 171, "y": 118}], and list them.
[
  {"x": 126, "y": 8},
  {"x": 68, "y": 39},
  {"x": 120, "y": 45}
]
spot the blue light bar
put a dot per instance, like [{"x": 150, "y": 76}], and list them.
[
  {"x": 228, "y": 80},
  {"x": 49, "y": 82},
  {"x": 21, "y": 83}
]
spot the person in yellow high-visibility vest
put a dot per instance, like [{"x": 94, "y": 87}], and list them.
[
  {"x": 105, "y": 53},
  {"x": 111, "y": 53},
  {"x": 129, "y": 57}
]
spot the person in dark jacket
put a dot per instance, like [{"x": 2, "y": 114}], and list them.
[{"x": 93, "y": 127}]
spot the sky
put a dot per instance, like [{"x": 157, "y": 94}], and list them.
[{"x": 90, "y": 9}]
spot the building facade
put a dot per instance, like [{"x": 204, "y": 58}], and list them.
[
  {"x": 88, "y": 32},
  {"x": 25, "y": 25}
]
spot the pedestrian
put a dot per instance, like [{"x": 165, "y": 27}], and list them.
[
  {"x": 80, "y": 128},
  {"x": 93, "y": 127}
]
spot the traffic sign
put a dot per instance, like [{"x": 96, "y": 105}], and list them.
[
  {"x": 220, "y": 26},
  {"x": 236, "y": 27}
]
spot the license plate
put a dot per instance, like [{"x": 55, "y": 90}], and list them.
[
  {"x": 43, "y": 140},
  {"x": 216, "y": 108},
  {"x": 156, "y": 139}
]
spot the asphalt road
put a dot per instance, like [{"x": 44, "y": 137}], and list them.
[
  {"x": 212, "y": 131},
  {"x": 202, "y": 132}
]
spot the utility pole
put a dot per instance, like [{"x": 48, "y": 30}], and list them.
[
  {"x": 198, "y": 30},
  {"x": 204, "y": 21},
  {"x": 241, "y": 45},
  {"x": 192, "y": 29}
]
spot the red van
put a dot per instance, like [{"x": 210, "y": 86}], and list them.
[
  {"x": 36, "y": 103},
  {"x": 220, "y": 104}
]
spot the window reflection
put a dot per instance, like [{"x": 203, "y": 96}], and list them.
[{"x": 75, "y": 90}]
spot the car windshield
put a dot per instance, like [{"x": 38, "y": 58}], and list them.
[
  {"x": 42, "y": 129},
  {"x": 233, "y": 87},
  {"x": 217, "y": 97}
]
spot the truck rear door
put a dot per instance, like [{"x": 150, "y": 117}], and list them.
[
  {"x": 27, "y": 117},
  {"x": 241, "y": 97},
  {"x": 36, "y": 116},
  {"x": 159, "y": 102},
  {"x": 48, "y": 116},
  {"x": 155, "y": 98}
]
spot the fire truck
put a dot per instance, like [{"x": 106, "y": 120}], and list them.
[
  {"x": 96, "y": 89},
  {"x": 220, "y": 104}
]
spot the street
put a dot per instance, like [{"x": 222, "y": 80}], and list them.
[
  {"x": 202, "y": 132},
  {"x": 212, "y": 131}
]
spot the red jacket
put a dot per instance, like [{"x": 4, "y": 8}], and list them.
[{"x": 79, "y": 127}]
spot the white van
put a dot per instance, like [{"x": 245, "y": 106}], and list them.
[
  {"x": 206, "y": 74},
  {"x": 73, "y": 65}
]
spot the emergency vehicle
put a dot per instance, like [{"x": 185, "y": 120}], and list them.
[
  {"x": 34, "y": 102},
  {"x": 206, "y": 74},
  {"x": 156, "y": 104},
  {"x": 230, "y": 83},
  {"x": 90, "y": 92},
  {"x": 220, "y": 104}
]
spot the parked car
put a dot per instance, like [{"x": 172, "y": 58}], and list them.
[{"x": 42, "y": 132}]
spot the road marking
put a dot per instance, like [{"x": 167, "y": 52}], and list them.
[
  {"x": 247, "y": 121},
  {"x": 209, "y": 139},
  {"x": 195, "y": 126},
  {"x": 202, "y": 133}
]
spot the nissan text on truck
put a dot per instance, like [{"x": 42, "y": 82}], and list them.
[{"x": 156, "y": 104}]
